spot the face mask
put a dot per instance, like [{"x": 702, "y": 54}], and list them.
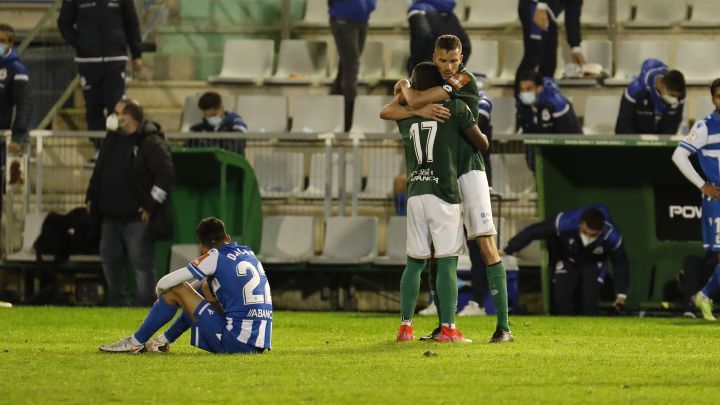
[
  {"x": 3, "y": 49},
  {"x": 528, "y": 97},
  {"x": 671, "y": 101},
  {"x": 215, "y": 120},
  {"x": 586, "y": 240},
  {"x": 111, "y": 122}
]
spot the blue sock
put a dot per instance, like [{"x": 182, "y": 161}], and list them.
[
  {"x": 181, "y": 324},
  {"x": 712, "y": 287},
  {"x": 160, "y": 314}
]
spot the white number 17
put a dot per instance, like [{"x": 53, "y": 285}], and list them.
[{"x": 431, "y": 127}]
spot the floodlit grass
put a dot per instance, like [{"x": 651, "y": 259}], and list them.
[{"x": 50, "y": 354}]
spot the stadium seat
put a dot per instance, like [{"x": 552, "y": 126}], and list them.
[
  {"x": 318, "y": 174},
  {"x": 31, "y": 231},
  {"x": 372, "y": 62},
  {"x": 365, "y": 115},
  {"x": 596, "y": 51},
  {"x": 191, "y": 113},
  {"x": 301, "y": 62},
  {"x": 509, "y": 227},
  {"x": 699, "y": 61},
  {"x": 512, "y": 55},
  {"x": 658, "y": 13},
  {"x": 511, "y": 177},
  {"x": 349, "y": 240},
  {"x": 503, "y": 115},
  {"x": 631, "y": 55},
  {"x": 492, "y": 14},
  {"x": 600, "y": 115},
  {"x": 399, "y": 54},
  {"x": 382, "y": 169},
  {"x": 595, "y": 12},
  {"x": 484, "y": 58},
  {"x": 238, "y": 68},
  {"x": 704, "y": 14},
  {"x": 182, "y": 254},
  {"x": 702, "y": 106},
  {"x": 316, "y": 14},
  {"x": 287, "y": 239},
  {"x": 318, "y": 114},
  {"x": 263, "y": 113},
  {"x": 279, "y": 174},
  {"x": 396, "y": 243},
  {"x": 389, "y": 13}
]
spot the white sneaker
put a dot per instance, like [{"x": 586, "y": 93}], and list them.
[
  {"x": 4, "y": 304},
  {"x": 124, "y": 345},
  {"x": 430, "y": 310},
  {"x": 158, "y": 344},
  {"x": 472, "y": 309}
]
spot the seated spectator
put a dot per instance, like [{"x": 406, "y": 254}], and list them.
[
  {"x": 653, "y": 103},
  {"x": 216, "y": 119},
  {"x": 542, "y": 108}
]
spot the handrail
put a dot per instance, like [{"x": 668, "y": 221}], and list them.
[{"x": 38, "y": 26}]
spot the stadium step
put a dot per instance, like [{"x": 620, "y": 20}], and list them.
[{"x": 74, "y": 118}]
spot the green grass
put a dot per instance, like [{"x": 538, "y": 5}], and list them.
[{"x": 50, "y": 354}]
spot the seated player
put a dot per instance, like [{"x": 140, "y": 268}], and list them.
[
  {"x": 216, "y": 119},
  {"x": 235, "y": 277}
]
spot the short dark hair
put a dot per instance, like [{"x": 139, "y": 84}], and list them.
[
  {"x": 448, "y": 42},
  {"x": 134, "y": 110},
  {"x": 715, "y": 84},
  {"x": 210, "y": 232},
  {"x": 674, "y": 81},
  {"x": 593, "y": 218},
  {"x": 7, "y": 28},
  {"x": 531, "y": 75},
  {"x": 209, "y": 100},
  {"x": 425, "y": 75}
]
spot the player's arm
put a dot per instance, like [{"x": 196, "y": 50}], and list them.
[
  {"x": 540, "y": 230},
  {"x": 173, "y": 279},
  {"x": 621, "y": 266},
  {"x": 478, "y": 140},
  {"x": 417, "y": 98},
  {"x": 681, "y": 157},
  {"x": 198, "y": 269},
  {"x": 395, "y": 111}
]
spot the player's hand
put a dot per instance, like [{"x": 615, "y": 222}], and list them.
[
  {"x": 397, "y": 89},
  {"x": 144, "y": 215},
  {"x": 711, "y": 191},
  {"x": 541, "y": 19},
  {"x": 619, "y": 303},
  {"x": 434, "y": 112},
  {"x": 137, "y": 64},
  {"x": 578, "y": 58},
  {"x": 88, "y": 205}
]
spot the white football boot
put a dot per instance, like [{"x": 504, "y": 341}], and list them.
[{"x": 124, "y": 345}]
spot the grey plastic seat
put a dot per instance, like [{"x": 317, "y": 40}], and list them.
[
  {"x": 511, "y": 176},
  {"x": 511, "y": 57},
  {"x": 372, "y": 62},
  {"x": 484, "y": 58},
  {"x": 395, "y": 253},
  {"x": 595, "y": 12},
  {"x": 382, "y": 169},
  {"x": 263, "y": 113},
  {"x": 399, "y": 55},
  {"x": 366, "y": 117},
  {"x": 600, "y": 115},
  {"x": 349, "y": 240},
  {"x": 389, "y": 13},
  {"x": 301, "y": 62},
  {"x": 287, "y": 239},
  {"x": 279, "y": 174},
  {"x": 182, "y": 254},
  {"x": 596, "y": 51},
  {"x": 631, "y": 55},
  {"x": 239, "y": 68},
  {"x": 318, "y": 174},
  {"x": 699, "y": 61},
  {"x": 492, "y": 14},
  {"x": 504, "y": 115},
  {"x": 318, "y": 114},
  {"x": 509, "y": 227},
  {"x": 658, "y": 13},
  {"x": 704, "y": 14},
  {"x": 316, "y": 14}
]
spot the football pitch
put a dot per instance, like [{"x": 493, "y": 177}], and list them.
[{"x": 49, "y": 354}]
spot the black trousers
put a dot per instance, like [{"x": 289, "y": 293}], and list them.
[
  {"x": 350, "y": 42},
  {"x": 540, "y": 54},
  {"x": 571, "y": 279},
  {"x": 426, "y": 28},
  {"x": 103, "y": 85}
]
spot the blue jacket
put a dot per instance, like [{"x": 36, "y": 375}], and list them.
[
  {"x": 553, "y": 113},
  {"x": 432, "y": 6},
  {"x": 354, "y": 10},
  {"x": 232, "y": 123},
  {"x": 572, "y": 9},
  {"x": 14, "y": 94}
]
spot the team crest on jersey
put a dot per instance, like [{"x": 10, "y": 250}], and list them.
[
  {"x": 691, "y": 136},
  {"x": 458, "y": 81},
  {"x": 598, "y": 250},
  {"x": 545, "y": 115},
  {"x": 3, "y": 74}
]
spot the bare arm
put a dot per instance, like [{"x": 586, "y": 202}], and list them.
[
  {"x": 476, "y": 138},
  {"x": 417, "y": 98},
  {"x": 394, "y": 111}
]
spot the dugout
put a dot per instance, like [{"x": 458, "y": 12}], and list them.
[{"x": 656, "y": 208}]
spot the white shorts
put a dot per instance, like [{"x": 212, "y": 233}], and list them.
[
  {"x": 477, "y": 209},
  {"x": 432, "y": 221}
]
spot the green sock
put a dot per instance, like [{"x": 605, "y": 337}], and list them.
[
  {"x": 447, "y": 288},
  {"x": 498, "y": 290},
  {"x": 432, "y": 277},
  {"x": 410, "y": 287}
]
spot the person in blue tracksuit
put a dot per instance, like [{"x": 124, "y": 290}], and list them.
[
  {"x": 14, "y": 91},
  {"x": 216, "y": 119}
]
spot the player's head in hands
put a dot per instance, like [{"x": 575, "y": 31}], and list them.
[
  {"x": 715, "y": 94},
  {"x": 211, "y": 234},
  {"x": 425, "y": 76},
  {"x": 448, "y": 55}
]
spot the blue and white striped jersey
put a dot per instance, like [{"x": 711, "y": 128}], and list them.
[
  {"x": 241, "y": 287},
  {"x": 704, "y": 140}
]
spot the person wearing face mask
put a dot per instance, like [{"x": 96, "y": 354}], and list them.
[
  {"x": 583, "y": 241},
  {"x": 653, "y": 103},
  {"x": 129, "y": 196},
  {"x": 14, "y": 92},
  {"x": 216, "y": 119},
  {"x": 542, "y": 108}
]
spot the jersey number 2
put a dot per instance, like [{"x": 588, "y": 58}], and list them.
[
  {"x": 249, "y": 296},
  {"x": 431, "y": 127}
]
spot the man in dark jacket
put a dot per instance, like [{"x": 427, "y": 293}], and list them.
[
  {"x": 542, "y": 108},
  {"x": 129, "y": 194},
  {"x": 14, "y": 91},
  {"x": 216, "y": 119},
  {"x": 583, "y": 240},
  {"x": 101, "y": 31}
]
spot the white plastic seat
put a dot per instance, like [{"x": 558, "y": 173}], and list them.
[
  {"x": 279, "y": 174},
  {"x": 699, "y": 61},
  {"x": 492, "y": 14},
  {"x": 316, "y": 14},
  {"x": 372, "y": 62},
  {"x": 239, "y": 68},
  {"x": 399, "y": 55},
  {"x": 395, "y": 253},
  {"x": 301, "y": 62},
  {"x": 512, "y": 55},
  {"x": 658, "y": 13},
  {"x": 191, "y": 112},
  {"x": 484, "y": 58},
  {"x": 631, "y": 55},
  {"x": 509, "y": 227},
  {"x": 382, "y": 170},
  {"x": 704, "y": 14},
  {"x": 318, "y": 114},
  {"x": 600, "y": 115},
  {"x": 366, "y": 117},
  {"x": 503, "y": 115},
  {"x": 511, "y": 176},
  {"x": 287, "y": 239},
  {"x": 318, "y": 174},
  {"x": 595, "y": 12},
  {"x": 182, "y": 254},
  {"x": 389, "y": 13},
  {"x": 263, "y": 113},
  {"x": 596, "y": 51},
  {"x": 349, "y": 240}
]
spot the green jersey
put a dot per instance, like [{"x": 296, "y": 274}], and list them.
[
  {"x": 463, "y": 86},
  {"x": 432, "y": 149}
]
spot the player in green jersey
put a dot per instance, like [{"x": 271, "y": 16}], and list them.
[
  {"x": 434, "y": 212},
  {"x": 474, "y": 188}
]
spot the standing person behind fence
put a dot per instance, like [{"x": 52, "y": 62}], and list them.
[
  {"x": 348, "y": 23},
  {"x": 101, "y": 33},
  {"x": 129, "y": 194},
  {"x": 14, "y": 92},
  {"x": 216, "y": 119}
]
